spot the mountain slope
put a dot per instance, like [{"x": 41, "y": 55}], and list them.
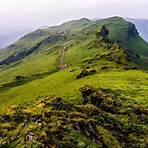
[
  {"x": 47, "y": 100},
  {"x": 141, "y": 25},
  {"x": 125, "y": 33},
  {"x": 119, "y": 31},
  {"x": 40, "y": 35},
  {"x": 83, "y": 50}
]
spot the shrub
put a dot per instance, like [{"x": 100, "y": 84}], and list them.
[
  {"x": 19, "y": 77},
  {"x": 85, "y": 73},
  {"x": 103, "y": 33}
]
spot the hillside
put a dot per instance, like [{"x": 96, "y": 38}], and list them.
[
  {"x": 80, "y": 84},
  {"x": 141, "y": 25}
]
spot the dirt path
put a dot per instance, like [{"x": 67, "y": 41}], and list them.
[{"x": 62, "y": 54}]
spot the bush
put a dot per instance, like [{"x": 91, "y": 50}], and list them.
[
  {"x": 85, "y": 73},
  {"x": 103, "y": 33},
  {"x": 19, "y": 77}
]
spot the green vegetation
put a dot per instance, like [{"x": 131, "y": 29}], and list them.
[
  {"x": 99, "y": 100},
  {"x": 102, "y": 119},
  {"x": 103, "y": 33}
]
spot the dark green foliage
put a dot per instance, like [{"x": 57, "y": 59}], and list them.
[
  {"x": 103, "y": 33},
  {"x": 59, "y": 104},
  {"x": 18, "y": 116},
  {"x": 19, "y": 78},
  {"x": 85, "y": 73},
  {"x": 86, "y": 92}
]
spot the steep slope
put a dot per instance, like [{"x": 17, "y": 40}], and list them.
[
  {"x": 125, "y": 32},
  {"x": 120, "y": 31},
  {"x": 142, "y": 26}
]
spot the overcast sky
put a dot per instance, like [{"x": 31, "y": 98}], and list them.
[{"x": 34, "y": 13}]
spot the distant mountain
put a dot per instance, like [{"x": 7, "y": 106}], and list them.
[
  {"x": 142, "y": 26},
  {"x": 9, "y": 35}
]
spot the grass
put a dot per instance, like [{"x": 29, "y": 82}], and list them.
[
  {"x": 106, "y": 119},
  {"x": 77, "y": 53},
  {"x": 34, "y": 64},
  {"x": 131, "y": 84},
  {"x": 43, "y": 91}
]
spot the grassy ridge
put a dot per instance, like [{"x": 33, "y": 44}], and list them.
[
  {"x": 99, "y": 100},
  {"x": 83, "y": 50}
]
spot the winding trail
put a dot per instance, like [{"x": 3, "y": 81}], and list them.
[{"x": 62, "y": 55}]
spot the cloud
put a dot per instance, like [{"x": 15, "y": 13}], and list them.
[{"x": 44, "y": 12}]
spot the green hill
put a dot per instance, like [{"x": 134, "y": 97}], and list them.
[{"x": 80, "y": 84}]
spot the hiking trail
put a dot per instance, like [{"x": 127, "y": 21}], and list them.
[{"x": 62, "y": 64}]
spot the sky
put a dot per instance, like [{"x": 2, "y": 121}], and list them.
[{"x": 36, "y": 13}]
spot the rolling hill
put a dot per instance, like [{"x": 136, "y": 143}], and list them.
[{"x": 80, "y": 84}]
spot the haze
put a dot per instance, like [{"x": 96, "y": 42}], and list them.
[
  {"x": 19, "y": 17},
  {"x": 35, "y": 13}
]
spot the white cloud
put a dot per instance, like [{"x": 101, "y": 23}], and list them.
[{"x": 40, "y": 12}]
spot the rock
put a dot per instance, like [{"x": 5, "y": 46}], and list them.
[{"x": 30, "y": 136}]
